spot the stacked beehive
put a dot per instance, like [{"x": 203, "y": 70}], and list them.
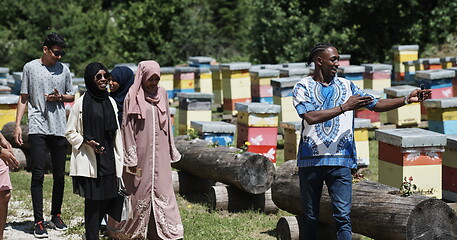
[
  {"x": 261, "y": 89},
  {"x": 377, "y": 76},
  {"x": 184, "y": 80},
  {"x": 374, "y": 117},
  {"x": 362, "y": 145},
  {"x": 439, "y": 81},
  {"x": 203, "y": 80},
  {"x": 410, "y": 71},
  {"x": 345, "y": 59},
  {"x": 218, "y": 132},
  {"x": 450, "y": 169},
  {"x": 8, "y": 107},
  {"x": 236, "y": 84},
  {"x": 403, "y": 53},
  {"x": 406, "y": 115},
  {"x": 442, "y": 115},
  {"x": 432, "y": 63},
  {"x": 257, "y": 123},
  {"x": 216, "y": 77},
  {"x": 447, "y": 62},
  {"x": 353, "y": 73},
  {"x": 292, "y": 133},
  {"x": 166, "y": 80},
  {"x": 411, "y": 152},
  {"x": 193, "y": 107},
  {"x": 282, "y": 96}
]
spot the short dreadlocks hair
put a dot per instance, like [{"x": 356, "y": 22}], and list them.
[
  {"x": 54, "y": 39},
  {"x": 318, "y": 48}
]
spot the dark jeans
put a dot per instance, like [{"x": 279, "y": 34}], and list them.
[
  {"x": 339, "y": 184},
  {"x": 57, "y": 147},
  {"x": 94, "y": 212}
]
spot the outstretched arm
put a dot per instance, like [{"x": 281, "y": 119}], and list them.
[{"x": 393, "y": 103}]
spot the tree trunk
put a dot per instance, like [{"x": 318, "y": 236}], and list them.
[
  {"x": 234, "y": 200},
  {"x": 376, "y": 211},
  {"x": 288, "y": 228},
  {"x": 250, "y": 172}
]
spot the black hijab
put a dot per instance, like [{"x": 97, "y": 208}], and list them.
[
  {"x": 94, "y": 96},
  {"x": 125, "y": 77}
]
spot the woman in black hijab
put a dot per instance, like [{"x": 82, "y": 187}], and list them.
[
  {"x": 122, "y": 79},
  {"x": 96, "y": 160}
]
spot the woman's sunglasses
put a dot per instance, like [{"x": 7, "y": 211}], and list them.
[
  {"x": 99, "y": 76},
  {"x": 58, "y": 53}
]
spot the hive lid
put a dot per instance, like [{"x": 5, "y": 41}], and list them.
[
  {"x": 9, "y": 98},
  {"x": 441, "y": 103},
  {"x": 4, "y": 70},
  {"x": 376, "y": 94},
  {"x": 257, "y": 108},
  {"x": 184, "y": 69},
  {"x": 285, "y": 81},
  {"x": 213, "y": 126},
  {"x": 377, "y": 67},
  {"x": 237, "y": 65},
  {"x": 399, "y": 91},
  {"x": 410, "y": 63},
  {"x": 196, "y": 95},
  {"x": 291, "y": 125},
  {"x": 406, "y": 47},
  {"x": 167, "y": 70},
  {"x": 294, "y": 71},
  {"x": 270, "y": 66},
  {"x": 295, "y": 65},
  {"x": 345, "y": 57},
  {"x": 410, "y": 137},
  {"x": 265, "y": 72},
  {"x": 447, "y": 59},
  {"x": 432, "y": 61},
  {"x": 200, "y": 59},
  {"x": 351, "y": 69},
  {"x": 362, "y": 123},
  {"x": 435, "y": 74}
]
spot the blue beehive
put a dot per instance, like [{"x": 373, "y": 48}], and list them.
[{"x": 217, "y": 131}]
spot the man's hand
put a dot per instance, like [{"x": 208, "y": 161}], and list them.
[
  {"x": 8, "y": 157},
  {"x": 54, "y": 96},
  {"x": 414, "y": 95},
  {"x": 18, "y": 135},
  {"x": 356, "y": 101}
]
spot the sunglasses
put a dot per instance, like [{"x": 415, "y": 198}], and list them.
[
  {"x": 58, "y": 53},
  {"x": 100, "y": 76}
]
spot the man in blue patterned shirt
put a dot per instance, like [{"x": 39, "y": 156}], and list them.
[{"x": 327, "y": 151}]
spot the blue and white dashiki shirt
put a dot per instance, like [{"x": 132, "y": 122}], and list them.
[{"x": 330, "y": 143}]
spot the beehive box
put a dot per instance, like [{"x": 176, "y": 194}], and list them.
[
  {"x": 442, "y": 115},
  {"x": 447, "y": 62},
  {"x": 200, "y": 61},
  {"x": 454, "y": 81},
  {"x": 216, "y": 77},
  {"x": 8, "y": 107},
  {"x": 166, "y": 80},
  {"x": 257, "y": 114},
  {"x": 203, "y": 80},
  {"x": 432, "y": 63},
  {"x": 261, "y": 89},
  {"x": 345, "y": 59},
  {"x": 450, "y": 169},
  {"x": 403, "y": 53},
  {"x": 361, "y": 127},
  {"x": 292, "y": 133},
  {"x": 353, "y": 73},
  {"x": 193, "y": 107},
  {"x": 406, "y": 115},
  {"x": 215, "y": 131},
  {"x": 411, "y": 152},
  {"x": 377, "y": 76},
  {"x": 374, "y": 117},
  {"x": 282, "y": 96},
  {"x": 410, "y": 71},
  {"x": 184, "y": 79},
  {"x": 290, "y": 72},
  {"x": 236, "y": 83}
]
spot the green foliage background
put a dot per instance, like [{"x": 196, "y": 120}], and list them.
[{"x": 259, "y": 31}]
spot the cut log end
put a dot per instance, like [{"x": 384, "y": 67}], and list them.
[
  {"x": 256, "y": 174},
  {"x": 432, "y": 219},
  {"x": 287, "y": 228}
]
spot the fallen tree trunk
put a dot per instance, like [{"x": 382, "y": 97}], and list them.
[
  {"x": 250, "y": 172},
  {"x": 186, "y": 183},
  {"x": 234, "y": 200},
  {"x": 376, "y": 211}
]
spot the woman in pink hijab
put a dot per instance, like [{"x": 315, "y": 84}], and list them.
[{"x": 149, "y": 151}]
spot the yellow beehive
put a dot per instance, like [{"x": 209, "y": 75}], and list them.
[
  {"x": 216, "y": 77},
  {"x": 237, "y": 88},
  {"x": 406, "y": 115},
  {"x": 361, "y": 126},
  {"x": 203, "y": 81},
  {"x": 288, "y": 112},
  {"x": 257, "y": 114},
  {"x": 8, "y": 106},
  {"x": 292, "y": 132},
  {"x": 186, "y": 116}
]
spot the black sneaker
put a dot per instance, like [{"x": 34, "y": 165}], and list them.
[
  {"x": 58, "y": 223},
  {"x": 40, "y": 230}
]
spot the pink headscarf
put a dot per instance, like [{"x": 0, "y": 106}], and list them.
[{"x": 138, "y": 103}]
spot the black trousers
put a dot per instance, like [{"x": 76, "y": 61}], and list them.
[
  {"x": 57, "y": 147},
  {"x": 94, "y": 212}
]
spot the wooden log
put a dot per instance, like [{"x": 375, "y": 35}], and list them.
[
  {"x": 186, "y": 183},
  {"x": 8, "y": 133},
  {"x": 234, "y": 200},
  {"x": 288, "y": 228},
  {"x": 250, "y": 172},
  {"x": 377, "y": 212}
]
